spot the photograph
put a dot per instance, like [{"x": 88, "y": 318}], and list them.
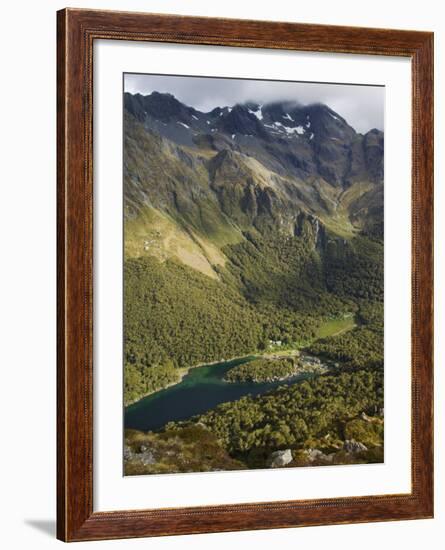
[
  {"x": 223, "y": 276},
  {"x": 253, "y": 215}
]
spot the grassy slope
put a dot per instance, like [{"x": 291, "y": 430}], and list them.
[
  {"x": 156, "y": 171},
  {"x": 333, "y": 327},
  {"x": 155, "y": 234}
]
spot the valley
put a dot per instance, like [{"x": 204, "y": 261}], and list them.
[{"x": 252, "y": 233}]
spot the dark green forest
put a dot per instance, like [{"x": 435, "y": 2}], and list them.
[
  {"x": 312, "y": 411},
  {"x": 359, "y": 348},
  {"x": 272, "y": 290},
  {"x": 177, "y": 318},
  {"x": 263, "y": 370},
  {"x": 320, "y": 413}
]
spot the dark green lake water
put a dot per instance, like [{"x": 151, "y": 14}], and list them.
[{"x": 200, "y": 390}]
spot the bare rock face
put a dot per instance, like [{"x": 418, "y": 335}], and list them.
[
  {"x": 128, "y": 453},
  {"x": 280, "y": 458},
  {"x": 353, "y": 446},
  {"x": 270, "y": 162},
  {"x": 147, "y": 458},
  {"x": 144, "y": 455}
]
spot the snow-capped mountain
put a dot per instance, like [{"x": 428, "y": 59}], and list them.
[{"x": 278, "y": 166}]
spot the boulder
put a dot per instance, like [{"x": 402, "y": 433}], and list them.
[
  {"x": 147, "y": 458},
  {"x": 280, "y": 458},
  {"x": 145, "y": 455},
  {"x": 314, "y": 454},
  {"x": 353, "y": 446}
]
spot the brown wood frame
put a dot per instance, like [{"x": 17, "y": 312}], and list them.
[{"x": 76, "y": 32}]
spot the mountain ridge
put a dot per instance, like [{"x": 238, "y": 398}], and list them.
[
  {"x": 251, "y": 166},
  {"x": 304, "y": 140}
]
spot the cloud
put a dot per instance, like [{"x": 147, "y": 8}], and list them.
[{"x": 362, "y": 106}]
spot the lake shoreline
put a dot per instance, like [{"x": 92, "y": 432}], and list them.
[
  {"x": 202, "y": 390},
  {"x": 184, "y": 371}
]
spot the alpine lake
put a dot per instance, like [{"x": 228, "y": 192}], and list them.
[{"x": 204, "y": 388}]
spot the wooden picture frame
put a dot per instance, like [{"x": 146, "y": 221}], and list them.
[{"x": 77, "y": 31}]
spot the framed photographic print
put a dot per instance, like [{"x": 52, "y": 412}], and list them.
[{"x": 244, "y": 275}]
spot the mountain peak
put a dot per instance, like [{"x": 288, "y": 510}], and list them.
[
  {"x": 242, "y": 120},
  {"x": 162, "y": 106},
  {"x": 285, "y": 136}
]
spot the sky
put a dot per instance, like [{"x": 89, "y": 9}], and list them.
[{"x": 361, "y": 106}]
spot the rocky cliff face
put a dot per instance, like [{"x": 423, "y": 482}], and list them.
[
  {"x": 275, "y": 167},
  {"x": 287, "y": 138}
]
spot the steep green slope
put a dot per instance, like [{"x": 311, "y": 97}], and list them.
[{"x": 176, "y": 317}]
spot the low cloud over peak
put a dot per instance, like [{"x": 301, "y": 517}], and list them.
[{"x": 361, "y": 106}]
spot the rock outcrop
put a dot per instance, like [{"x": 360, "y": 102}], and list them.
[
  {"x": 143, "y": 455},
  {"x": 276, "y": 161},
  {"x": 280, "y": 458},
  {"x": 353, "y": 446}
]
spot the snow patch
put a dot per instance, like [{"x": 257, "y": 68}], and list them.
[
  {"x": 195, "y": 117},
  {"x": 287, "y": 115},
  {"x": 182, "y": 124},
  {"x": 311, "y": 136},
  {"x": 308, "y": 124},
  {"x": 258, "y": 113},
  {"x": 334, "y": 117},
  {"x": 233, "y": 136},
  {"x": 291, "y": 130}
]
